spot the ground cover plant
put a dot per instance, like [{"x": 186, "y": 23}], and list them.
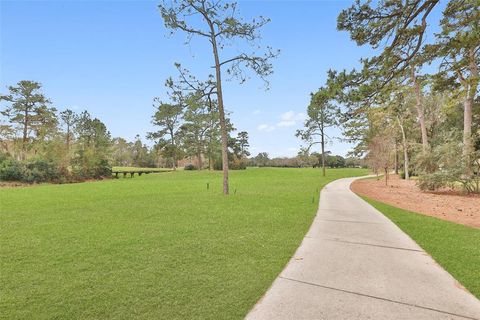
[
  {"x": 157, "y": 246},
  {"x": 453, "y": 246}
]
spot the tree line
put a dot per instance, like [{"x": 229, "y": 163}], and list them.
[
  {"x": 414, "y": 106},
  {"x": 306, "y": 159},
  {"x": 188, "y": 125},
  {"x": 38, "y": 143}
]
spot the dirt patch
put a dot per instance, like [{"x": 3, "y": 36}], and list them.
[{"x": 463, "y": 209}]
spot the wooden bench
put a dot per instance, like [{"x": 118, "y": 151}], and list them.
[{"x": 132, "y": 173}]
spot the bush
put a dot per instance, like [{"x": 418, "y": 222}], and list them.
[
  {"x": 238, "y": 164},
  {"x": 10, "y": 170},
  {"x": 190, "y": 167},
  {"x": 40, "y": 170},
  {"x": 86, "y": 165},
  {"x": 235, "y": 164},
  {"x": 217, "y": 165},
  {"x": 445, "y": 167},
  {"x": 102, "y": 169},
  {"x": 434, "y": 181},
  {"x": 35, "y": 170},
  {"x": 411, "y": 173}
]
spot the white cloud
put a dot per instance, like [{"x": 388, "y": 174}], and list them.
[
  {"x": 289, "y": 115},
  {"x": 290, "y": 118},
  {"x": 287, "y": 119},
  {"x": 256, "y": 111},
  {"x": 266, "y": 127},
  {"x": 286, "y": 123}
]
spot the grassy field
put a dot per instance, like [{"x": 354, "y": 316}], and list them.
[
  {"x": 136, "y": 169},
  {"x": 153, "y": 247},
  {"x": 455, "y": 247}
]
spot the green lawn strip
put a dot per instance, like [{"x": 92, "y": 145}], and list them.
[
  {"x": 137, "y": 169},
  {"x": 154, "y": 247},
  {"x": 454, "y": 246}
]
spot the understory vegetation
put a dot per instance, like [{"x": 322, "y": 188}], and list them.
[
  {"x": 157, "y": 246},
  {"x": 453, "y": 246}
]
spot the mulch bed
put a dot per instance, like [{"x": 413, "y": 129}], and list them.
[{"x": 404, "y": 194}]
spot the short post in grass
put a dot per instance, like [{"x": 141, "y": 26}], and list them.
[
  {"x": 208, "y": 185},
  {"x": 313, "y": 198},
  {"x": 235, "y": 191}
]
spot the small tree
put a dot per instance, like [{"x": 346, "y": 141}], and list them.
[
  {"x": 68, "y": 119},
  {"x": 201, "y": 130},
  {"x": 139, "y": 153},
  {"x": 243, "y": 145},
  {"x": 28, "y": 110},
  {"x": 168, "y": 118},
  {"x": 122, "y": 154},
  {"x": 7, "y": 134},
  {"x": 380, "y": 154},
  {"x": 321, "y": 115},
  {"x": 262, "y": 159},
  {"x": 196, "y": 127},
  {"x": 92, "y": 147},
  {"x": 222, "y": 27}
]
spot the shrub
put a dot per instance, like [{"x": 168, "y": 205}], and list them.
[
  {"x": 31, "y": 171},
  {"x": 217, "y": 165},
  {"x": 102, "y": 169},
  {"x": 40, "y": 170},
  {"x": 238, "y": 164},
  {"x": 235, "y": 164},
  {"x": 10, "y": 170},
  {"x": 190, "y": 167},
  {"x": 87, "y": 165},
  {"x": 445, "y": 167},
  {"x": 434, "y": 181}
]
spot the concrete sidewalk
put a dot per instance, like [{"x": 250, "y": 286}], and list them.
[{"x": 354, "y": 263}]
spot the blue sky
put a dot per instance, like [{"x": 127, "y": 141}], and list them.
[{"x": 112, "y": 57}]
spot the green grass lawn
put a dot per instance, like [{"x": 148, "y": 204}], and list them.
[
  {"x": 454, "y": 246},
  {"x": 153, "y": 247},
  {"x": 136, "y": 169}
]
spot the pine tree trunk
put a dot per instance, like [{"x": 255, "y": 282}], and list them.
[
  {"x": 471, "y": 88},
  {"x": 323, "y": 153},
  {"x": 174, "y": 156},
  {"x": 386, "y": 176},
  {"x": 420, "y": 110},
  {"x": 467, "y": 131},
  {"x": 396, "y": 157},
  {"x": 25, "y": 134},
  {"x": 221, "y": 111},
  {"x": 406, "y": 162},
  {"x": 405, "y": 150},
  {"x": 199, "y": 160}
]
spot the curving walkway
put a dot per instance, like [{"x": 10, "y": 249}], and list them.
[{"x": 354, "y": 263}]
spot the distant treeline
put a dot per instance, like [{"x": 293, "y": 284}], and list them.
[
  {"x": 301, "y": 161},
  {"x": 39, "y": 143}
]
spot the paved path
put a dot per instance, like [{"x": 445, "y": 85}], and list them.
[{"x": 356, "y": 264}]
